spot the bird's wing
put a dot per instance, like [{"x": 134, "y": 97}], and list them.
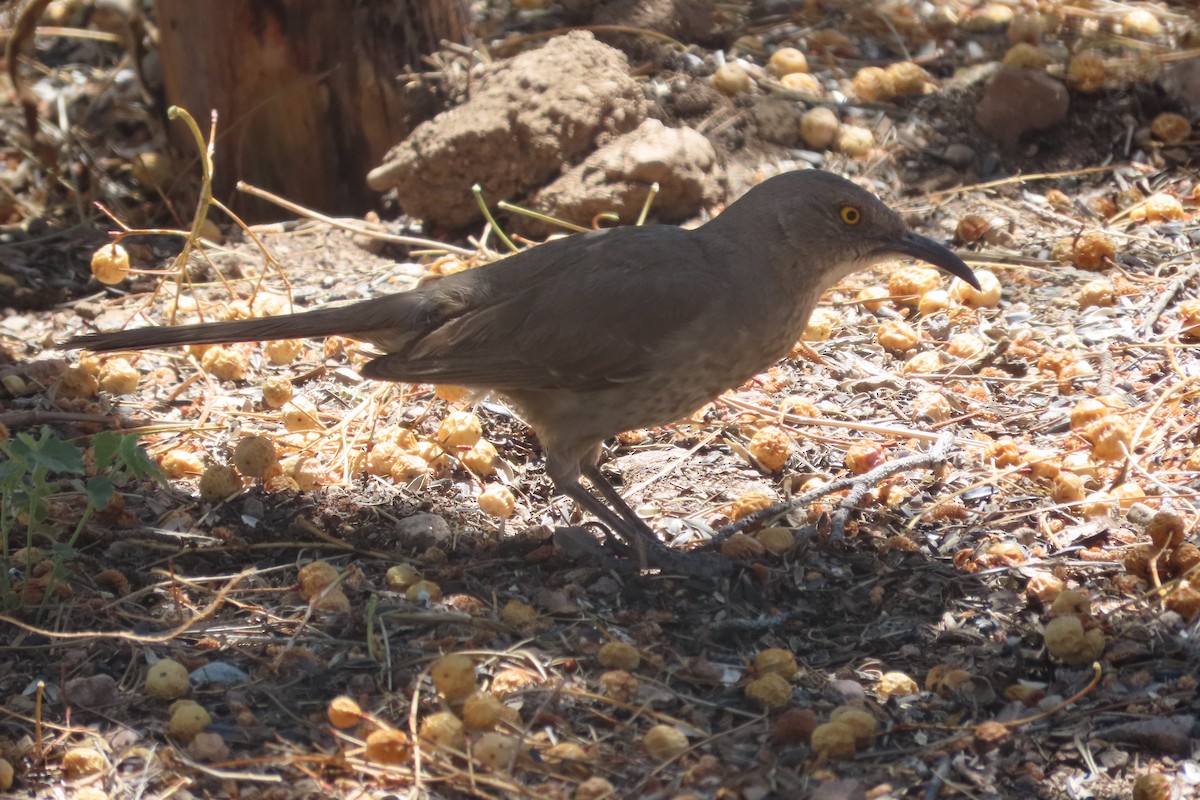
[{"x": 579, "y": 313}]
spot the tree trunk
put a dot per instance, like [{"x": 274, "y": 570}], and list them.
[{"x": 307, "y": 91}]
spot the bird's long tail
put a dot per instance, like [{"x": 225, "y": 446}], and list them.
[{"x": 321, "y": 322}]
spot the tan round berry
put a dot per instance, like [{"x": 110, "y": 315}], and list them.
[
  {"x": 497, "y": 501},
  {"x": 1067, "y": 488},
  {"x": 387, "y": 746},
  {"x": 522, "y": 615},
  {"x": 434, "y": 455},
  {"x": 495, "y": 752},
  {"x": 481, "y": 711},
  {"x": 315, "y": 577},
  {"x": 595, "y": 788},
  {"x": 422, "y": 590},
  {"x": 923, "y": 363},
  {"x": 332, "y": 601},
  {"x": 167, "y": 679},
  {"x": 481, "y": 459},
  {"x": 896, "y": 684},
  {"x": 664, "y": 742},
  {"x": 776, "y": 660},
  {"x": 619, "y": 655},
  {"x": 402, "y": 576},
  {"x": 1160, "y": 207},
  {"x": 771, "y": 691},
  {"x": 283, "y": 351},
  {"x": 934, "y": 301},
  {"x": 897, "y": 336},
  {"x": 1100, "y": 293},
  {"x": 821, "y": 325},
  {"x": 1024, "y": 55},
  {"x": 731, "y": 79},
  {"x": 1086, "y": 72},
  {"x": 449, "y": 393},
  {"x": 873, "y": 84},
  {"x": 408, "y": 467},
  {"x": 277, "y": 391},
  {"x": 1111, "y": 437},
  {"x": 255, "y": 456},
  {"x": 1071, "y": 601},
  {"x": 1068, "y": 642},
  {"x": 750, "y": 502},
  {"x": 908, "y": 283},
  {"x": 834, "y": 740},
  {"x": 1093, "y": 250},
  {"x": 619, "y": 685},
  {"x": 819, "y": 127},
  {"x": 117, "y": 376},
  {"x": 932, "y": 406},
  {"x": 78, "y": 382},
  {"x": 801, "y": 82},
  {"x": 907, "y": 78},
  {"x": 971, "y": 228},
  {"x": 1096, "y": 505},
  {"x": 741, "y": 545},
  {"x": 1171, "y": 128},
  {"x": 454, "y": 676},
  {"x": 770, "y": 447},
  {"x": 459, "y": 429},
  {"x": 1140, "y": 23},
  {"x": 965, "y": 345},
  {"x": 178, "y": 463},
  {"x": 858, "y": 720},
  {"x": 873, "y": 298},
  {"x": 225, "y": 363},
  {"x": 343, "y": 712},
  {"x": 443, "y": 731},
  {"x": 986, "y": 296},
  {"x": 864, "y": 456},
  {"x": 776, "y": 540},
  {"x": 110, "y": 264},
  {"x": 1090, "y": 409},
  {"x": 188, "y": 718},
  {"x": 81, "y": 761},
  {"x": 785, "y": 61},
  {"x": 1166, "y": 529},
  {"x": 7, "y": 774},
  {"x": 218, "y": 483},
  {"x": 854, "y": 141},
  {"x": 1128, "y": 493}
]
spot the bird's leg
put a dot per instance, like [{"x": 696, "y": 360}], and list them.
[{"x": 629, "y": 532}]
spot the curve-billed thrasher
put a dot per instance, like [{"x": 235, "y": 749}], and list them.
[{"x": 599, "y": 333}]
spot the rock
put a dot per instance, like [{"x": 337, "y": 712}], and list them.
[
  {"x": 1016, "y": 101},
  {"x": 778, "y": 120},
  {"x": 617, "y": 178},
  {"x": 1181, "y": 82},
  {"x": 528, "y": 117},
  {"x": 422, "y": 531}
]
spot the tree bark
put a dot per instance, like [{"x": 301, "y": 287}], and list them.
[{"x": 307, "y": 91}]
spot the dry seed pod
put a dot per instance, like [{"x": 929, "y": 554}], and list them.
[
  {"x": 864, "y": 456},
  {"x": 854, "y": 141},
  {"x": 1171, "y": 128},
  {"x": 873, "y": 84},
  {"x": 834, "y": 740},
  {"x": 896, "y": 336},
  {"x": 971, "y": 228},
  {"x": 1100, "y": 293},
  {"x": 771, "y": 691},
  {"x": 819, "y": 127},
  {"x": 619, "y": 655},
  {"x": 664, "y": 742},
  {"x": 923, "y": 363},
  {"x": 786, "y": 61},
  {"x": 820, "y": 325},
  {"x": 219, "y": 482},
  {"x": 908, "y": 283},
  {"x": 497, "y": 501},
  {"x": 748, "y": 503},
  {"x": 1086, "y": 72},
  {"x": 986, "y": 296},
  {"x": 110, "y": 264},
  {"x": 255, "y": 456},
  {"x": 770, "y": 447},
  {"x": 907, "y": 78},
  {"x": 731, "y": 79},
  {"x": 801, "y": 82},
  {"x": 1027, "y": 56}
]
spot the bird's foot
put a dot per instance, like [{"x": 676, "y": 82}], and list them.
[{"x": 615, "y": 554}]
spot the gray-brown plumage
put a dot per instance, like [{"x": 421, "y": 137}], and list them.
[{"x": 603, "y": 332}]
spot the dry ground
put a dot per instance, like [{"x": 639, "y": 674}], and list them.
[{"x": 930, "y": 615}]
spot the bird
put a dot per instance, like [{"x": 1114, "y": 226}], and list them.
[{"x": 598, "y": 333}]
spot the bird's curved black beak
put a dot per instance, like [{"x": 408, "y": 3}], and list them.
[{"x": 940, "y": 256}]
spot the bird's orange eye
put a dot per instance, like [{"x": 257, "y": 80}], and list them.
[{"x": 851, "y": 215}]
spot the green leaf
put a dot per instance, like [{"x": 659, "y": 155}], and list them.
[
  {"x": 99, "y": 490},
  {"x": 57, "y": 455},
  {"x": 135, "y": 458},
  {"x": 105, "y": 446}
]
